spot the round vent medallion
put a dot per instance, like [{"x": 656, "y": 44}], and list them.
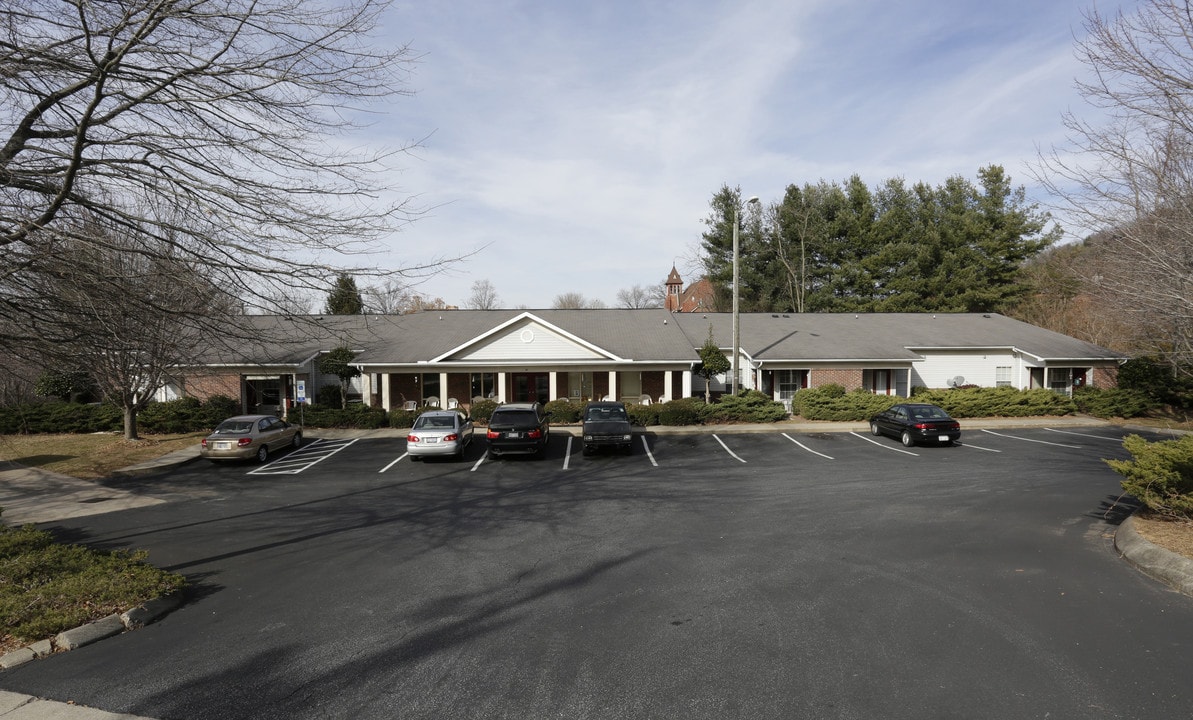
[{"x": 527, "y": 335}]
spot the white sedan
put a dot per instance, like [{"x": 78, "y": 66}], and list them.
[{"x": 439, "y": 432}]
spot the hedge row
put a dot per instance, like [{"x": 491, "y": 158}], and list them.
[
  {"x": 1159, "y": 475},
  {"x": 829, "y": 402}
]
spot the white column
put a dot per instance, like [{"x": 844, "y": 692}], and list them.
[
  {"x": 366, "y": 387},
  {"x": 612, "y": 384},
  {"x": 687, "y": 384},
  {"x": 500, "y": 387},
  {"x": 443, "y": 390},
  {"x": 667, "y": 383},
  {"x": 386, "y": 400},
  {"x": 552, "y": 385}
]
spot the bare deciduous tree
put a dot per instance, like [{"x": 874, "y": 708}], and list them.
[
  {"x": 576, "y": 301},
  {"x": 484, "y": 296},
  {"x": 211, "y": 130},
  {"x": 639, "y": 296},
  {"x": 1128, "y": 173}
]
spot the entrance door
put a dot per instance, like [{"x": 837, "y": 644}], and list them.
[{"x": 531, "y": 387}]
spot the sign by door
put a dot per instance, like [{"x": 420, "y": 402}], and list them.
[{"x": 300, "y": 391}]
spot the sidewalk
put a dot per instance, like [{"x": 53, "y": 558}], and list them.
[{"x": 15, "y": 706}]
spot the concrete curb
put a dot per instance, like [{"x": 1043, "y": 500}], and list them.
[
  {"x": 137, "y": 617},
  {"x": 1168, "y": 567},
  {"x": 17, "y": 706}
]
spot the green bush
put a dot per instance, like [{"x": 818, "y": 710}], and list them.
[
  {"x": 60, "y": 417},
  {"x": 750, "y": 406},
  {"x": 831, "y": 402},
  {"x": 1159, "y": 475},
  {"x": 173, "y": 416},
  {"x": 685, "y": 411},
  {"x": 355, "y": 416},
  {"x": 399, "y": 418},
  {"x": 331, "y": 396},
  {"x": 644, "y": 415},
  {"x": 218, "y": 408},
  {"x": 482, "y": 410},
  {"x": 563, "y": 411},
  {"x": 1113, "y": 402},
  {"x": 50, "y": 587},
  {"x": 998, "y": 402}
]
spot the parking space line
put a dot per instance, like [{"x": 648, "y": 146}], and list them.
[
  {"x": 978, "y": 447},
  {"x": 1042, "y": 442},
  {"x": 649, "y": 454},
  {"x": 797, "y": 442},
  {"x": 1096, "y": 437},
  {"x": 567, "y": 453},
  {"x": 884, "y": 446},
  {"x": 295, "y": 462},
  {"x": 395, "y": 462},
  {"x": 727, "y": 448},
  {"x": 479, "y": 460}
]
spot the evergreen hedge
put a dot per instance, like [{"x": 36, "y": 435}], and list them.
[{"x": 1159, "y": 475}]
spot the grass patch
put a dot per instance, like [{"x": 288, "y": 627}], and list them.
[
  {"x": 90, "y": 456},
  {"x": 47, "y": 587}
]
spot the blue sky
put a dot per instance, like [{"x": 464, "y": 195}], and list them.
[{"x": 575, "y": 146}]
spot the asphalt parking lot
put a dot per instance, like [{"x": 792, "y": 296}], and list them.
[{"x": 771, "y": 575}]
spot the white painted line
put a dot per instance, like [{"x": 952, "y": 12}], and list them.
[
  {"x": 567, "y": 454},
  {"x": 479, "y": 460},
  {"x": 649, "y": 454},
  {"x": 1042, "y": 442},
  {"x": 1096, "y": 437},
  {"x": 797, "y": 442},
  {"x": 319, "y": 447},
  {"x": 726, "y": 447},
  {"x": 395, "y": 462},
  {"x": 884, "y": 446},
  {"x": 978, "y": 447}
]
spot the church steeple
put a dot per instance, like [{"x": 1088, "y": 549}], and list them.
[{"x": 674, "y": 288}]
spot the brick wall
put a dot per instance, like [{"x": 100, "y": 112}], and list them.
[
  {"x": 1104, "y": 377},
  {"x": 849, "y": 378},
  {"x": 206, "y": 385}
]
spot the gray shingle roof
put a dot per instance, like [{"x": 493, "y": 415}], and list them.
[{"x": 648, "y": 335}]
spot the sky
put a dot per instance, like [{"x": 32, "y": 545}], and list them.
[{"x": 575, "y": 146}]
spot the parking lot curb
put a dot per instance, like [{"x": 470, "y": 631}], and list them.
[
  {"x": 1168, "y": 567},
  {"x": 91, "y": 632}
]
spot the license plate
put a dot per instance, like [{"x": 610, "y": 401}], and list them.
[
  {"x": 223, "y": 446},
  {"x": 432, "y": 440},
  {"x": 943, "y": 438},
  {"x": 513, "y": 435}
]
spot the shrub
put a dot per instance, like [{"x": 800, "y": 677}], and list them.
[
  {"x": 564, "y": 411},
  {"x": 355, "y": 416},
  {"x": 51, "y": 587},
  {"x": 400, "y": 418},
  {"x": 685, "y": 411},
  {"x": 173, "y": 416},
  {"x": 1113, "y": 402},
  {"x": 60, "y": 417},
  {"x": 644, "y": 415},
  {"x": 330, "y": 396},
  {"x": 831, "y": 402},
  {"x": 750, "y": 406},
  {"x": 218, "y": 408},
  {"x": 1160, "y": 475},
  {"x": 998, "y": 402},
  {"x": 482, "y": 410}
]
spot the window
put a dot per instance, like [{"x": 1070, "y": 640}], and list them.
[
  {"x": 483, "y": 384},
  {"x": 1002, "y": 376}
]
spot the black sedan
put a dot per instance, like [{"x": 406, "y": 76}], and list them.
[{"x": 915, "y": 423}]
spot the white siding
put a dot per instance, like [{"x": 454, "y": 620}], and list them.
[
  {"x": 528, "y": 341},
  {"x": 977, "y": 367}
]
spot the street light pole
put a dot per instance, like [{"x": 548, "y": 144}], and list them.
[{"x": 736, "y": 312}]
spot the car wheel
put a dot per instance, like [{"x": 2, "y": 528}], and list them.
[
  {"x": 297, "y": 441},
  {"x": 262, "y": 454},
  {"x": 907, "y": 439},
  {"x": 874, "y": 429},
  {"x": 587, "y": 450}
]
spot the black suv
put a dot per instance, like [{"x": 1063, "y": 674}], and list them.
[
  {"x": 518, "y": 429},
  {"x": 606, "y": 424}
]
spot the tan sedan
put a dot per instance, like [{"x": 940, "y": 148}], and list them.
[{"x": 250, "y": 436}]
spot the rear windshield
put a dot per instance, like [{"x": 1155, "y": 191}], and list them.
[
  {"x": 514, "y": 417},
  {"x": 234, "y": 427},
  {"x": 438, "y": 421},
  {"x": 928, "y": 413}
]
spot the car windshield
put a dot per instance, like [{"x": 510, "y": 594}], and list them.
[
  {"x": 234, "y": 427},
  {"x": 929, "y": 413},
  {"x": 425, "y": 422},
  {"x": 598, "y": 414},
  {"x": 514, "y": 417}
]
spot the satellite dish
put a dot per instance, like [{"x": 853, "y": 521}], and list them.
[{"x": 957, "y": 381}]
